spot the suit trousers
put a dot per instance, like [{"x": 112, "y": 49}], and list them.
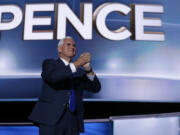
[{"x": 66, "y": 125}]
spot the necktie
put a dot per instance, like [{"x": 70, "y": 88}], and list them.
[
  {"x": 72, "y": 104},
  {"x": 72, "y": 99}
]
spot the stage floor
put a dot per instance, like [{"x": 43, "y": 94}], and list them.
[{"x": 102, "y": 128}]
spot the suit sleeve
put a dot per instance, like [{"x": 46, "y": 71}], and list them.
[
  {"x": 92, "y": 86},
  {"x": 53, "y": 74}
]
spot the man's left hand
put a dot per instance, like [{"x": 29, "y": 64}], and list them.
[{"x": 88, "y": 68}]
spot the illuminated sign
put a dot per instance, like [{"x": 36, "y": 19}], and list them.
[{"x": 84, "y": 24}]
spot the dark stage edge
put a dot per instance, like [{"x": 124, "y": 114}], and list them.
[{"x": 18, "y": 112}]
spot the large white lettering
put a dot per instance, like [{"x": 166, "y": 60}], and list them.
[
  {"x": 65, "y": 13},
  {"x": 100, "y": 15},
  {"x": 30, "y": 21},
  {"x": 83, "y": 24},
  {"x": 140, "y": 34},
  {"x": 15, "y": 21}
]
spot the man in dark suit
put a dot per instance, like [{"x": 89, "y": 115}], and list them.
[{"x": 59, "y": 110}]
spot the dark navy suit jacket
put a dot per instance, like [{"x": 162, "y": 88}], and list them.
[{"x": 58, "y": 81}]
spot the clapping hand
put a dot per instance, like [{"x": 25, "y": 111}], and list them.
[{"x": 83, "y": 59}]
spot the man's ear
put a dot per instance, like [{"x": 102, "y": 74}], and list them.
[{"x": 59, "y": 49}]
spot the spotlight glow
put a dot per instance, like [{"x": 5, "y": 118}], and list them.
[
  {"x": 114, "y": 63},
  {"x": 2, "y": 65},
  {"x": 7, "y": 62}
]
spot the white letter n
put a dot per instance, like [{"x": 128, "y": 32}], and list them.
[{"x": 65, "y": 13}]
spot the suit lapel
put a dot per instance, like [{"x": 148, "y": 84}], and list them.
[{"x": 60, "y": 62}]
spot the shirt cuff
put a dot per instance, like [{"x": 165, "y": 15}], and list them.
[
  {"x": 73, "y": 68},
  {"x": 91, "y": 77}
]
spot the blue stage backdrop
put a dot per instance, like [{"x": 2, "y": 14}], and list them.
[{"x": 129, "y": 70}]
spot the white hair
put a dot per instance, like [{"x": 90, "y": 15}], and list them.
[{"x": 62, "y": 40}]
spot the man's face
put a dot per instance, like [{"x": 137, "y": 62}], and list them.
[{"x": 68, "y": 49}]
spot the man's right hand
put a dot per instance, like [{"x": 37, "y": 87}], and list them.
[{"x": 83, "y": 59}]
